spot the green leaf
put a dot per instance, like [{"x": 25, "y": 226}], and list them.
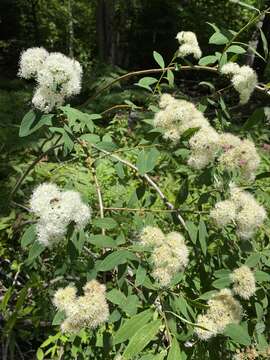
[
  {"x": 192, "y": 231},
  {"x": 222, "y": 273},
  {"x": 40, "y": 354},
  {"x": 91, "y": 138},
  {"x": 265, "y": 43},
  {"x": 262, "y": 276},
  {"x": 28, "y": 236},
  {"x": 78, "y": 238},
  {"x": 147, "y": 160},
  {"x": 159, "y": 59},
  {"x": 141, "y": 339},
  {"x": 114, "y": 259},
  {"x": 132, "y": 325},
  {"x": 222, "y": 282},
  {"x": 58, "y": 318},
  {"x": 174, "y": 353},
  {"x": 146, "y": 82},
  {"x": 115, "y": 296},
  {"x": 236, "y": 49},
  {"x": 140, "y": 275},
  {"x": 36, "y": 249},
  {"x": 102, "y": 241},
  {"x": 105, "y": 223},
  {"x": 218, "y": 39},
  {"x": 253, "y": 260},
  {"x": 206, "y": 60},
  {"x": 32, "y": 121},
  {"x": 202, "y": 236},
  {"x": 256, "y": 118},
  {"x": 238, "y": 334},
  {"x": 170, "y": 78},
  {"x": 182, "y": 193},
  {"x": 120, "y": 170}
]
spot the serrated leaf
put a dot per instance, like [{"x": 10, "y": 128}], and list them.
[
  {"x": 140, "y": 275},
  {"x": 131, "y": 326},
  {"x": 141, "y": 339},
  {"x": 115, "y": 296},
  {"x": 256, "y": 118},
  {"x": 159, "y": 59},
  {"x": 238, "y": 334}
]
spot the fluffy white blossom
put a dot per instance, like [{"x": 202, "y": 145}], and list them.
[
  {"x": 223, "y": 213},
  {"x": 89, "y": 310},
  {"x": 244, "y": 283},
  {"x": 240, "y": 209},
  {"x": 169, "y": 258},
  {"x": 31, "y": 62},
  {"x": 56, "y": 209},
  {"x": 223, "y": 309},
  {"x": 151, "y": 235},
  {"x": 244, "y": 79},
  {"x": 58, "y": 77},
  {"x": 45, "y": 100},
  {"x": 188, "y": 44},
  {"x": 242, "y": 157},
  {"x": 61, "y": 75}
]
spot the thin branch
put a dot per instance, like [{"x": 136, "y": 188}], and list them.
[
  {"x": 147, "y": 178},
  {"x": 30, "y": 167},
  {"x": 138, "y": 209},
  {"x": 101, "y": 208},
  {"x": 115, "y": 107},
  {"x": 213, "y": 69}
]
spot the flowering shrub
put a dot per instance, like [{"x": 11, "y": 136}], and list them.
[{"x": 152, "y": 246}]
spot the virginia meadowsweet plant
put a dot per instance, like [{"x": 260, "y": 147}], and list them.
[{"x": 148, "y": 242}]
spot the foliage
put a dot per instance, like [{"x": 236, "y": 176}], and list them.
[{"x": 86, "y": 150}]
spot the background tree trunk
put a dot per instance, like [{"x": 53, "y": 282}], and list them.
[{"x": 70, "y": 30}]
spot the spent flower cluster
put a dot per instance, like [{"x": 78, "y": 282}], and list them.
[
  {"x": 57, "y": 76},
  {"x": 89, "y": 310},
  {"x": 56, "y": 209},
  {"x": 241, "y": 209},
  {"x": 169, "y": 256},
  {"x": 223, "y": 309}
]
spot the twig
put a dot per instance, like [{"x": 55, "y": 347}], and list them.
[
  {"x": 101, "y": 208},
  {"x": 32, "y": 165},
  {"x": 119, "y": 107},
  {"x": 147, "y": 178},
  {"x": 138, "y": 209}
]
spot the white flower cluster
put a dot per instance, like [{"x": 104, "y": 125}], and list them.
[
  {"x": 89, "y": 310},
  {"x": 223, "y": 309},
  {"x": 58, "y": 77},
  {"x": 239, "y": 155},
  {"x": 244, "y": 79},
  {"x": 188, "y": 44},
  {"x": 56, "y": 210},
  {"x": 241, "y": 209},
  {"x": 177, "y": 116},
  {"x": 170, "y": 254},
  {"x": 244, "y": 283}
]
